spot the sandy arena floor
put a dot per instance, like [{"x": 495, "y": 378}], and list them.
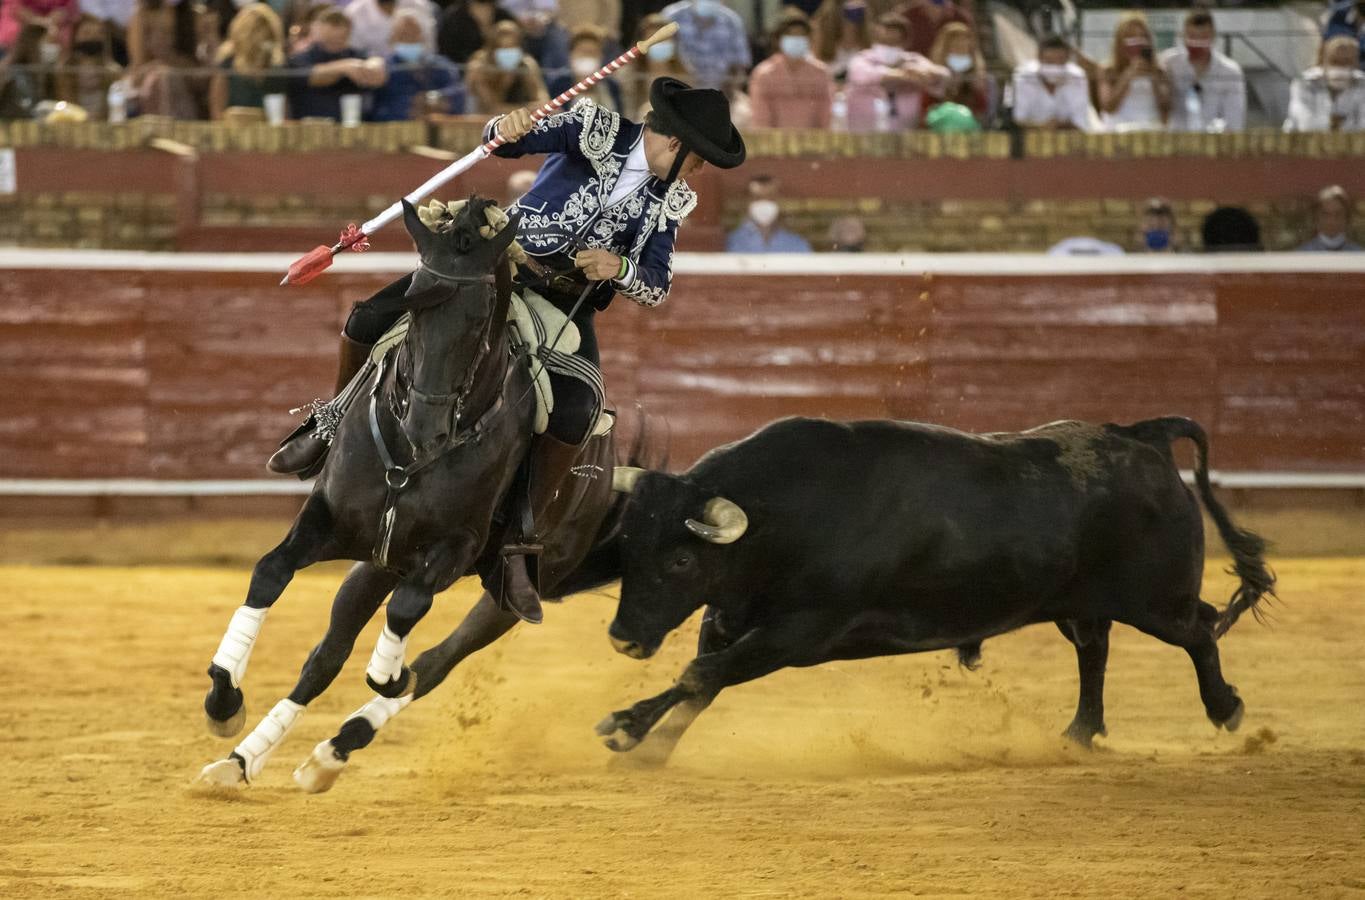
[{"x": 897, "y": 777}]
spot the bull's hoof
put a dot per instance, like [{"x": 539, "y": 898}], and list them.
[
  {"x": 320, "y": 770},
  {"x": 224, "y": 773},
  {"x": 614, "y": 735},
  {"x": 224, "y": 705},
  {"x": 1233, "y": 721},
  {"x": 403, "y": 684},
  {"x": 1083, "y": 734}
]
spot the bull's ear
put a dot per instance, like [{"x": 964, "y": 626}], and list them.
[
  {"x": 623, "y": 478},
  {"x": 420, "y": 234}
]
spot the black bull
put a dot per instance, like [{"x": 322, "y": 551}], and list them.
[{"x": 813, "y": 541}]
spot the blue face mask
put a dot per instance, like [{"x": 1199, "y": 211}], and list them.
[
  {"x": 661, "y": 52},
  {"x": 1157, "y": 239},
  {"x": 705, "y": 8},
  {"x": 794, "y": 45},
  {"x": 507, "y": 58},
  {"x": 409, "y": 53}
]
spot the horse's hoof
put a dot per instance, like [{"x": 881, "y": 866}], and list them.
[
  {"x": 229, "y": 727},
  {"x": 401, "y": 685},
  {"x": 1234, "y": 720},
  {"x": 320, "y": 770},
  {"x": 225, "y": 772},
  {"x": 614, "y": 735}
]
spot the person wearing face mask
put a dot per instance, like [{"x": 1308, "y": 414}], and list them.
[
  {"x": 1156, "y": 228},
  {"x": 466, "y": 27},
  {"x": 1052, "y": 91},
  {"x": 887, "y": 84},
  {"x": 502, "y": 76},
  {"x": 713, "y": 43},
  {"x": 791, "y": 88},
  {"x": 1135, "y": 92},
  {"x": 968, "y": 83},
  {"x": 661, "y": 61},
  {"x": 420, "y": 82},
  {"x": 254, "y": 47},
  {"x": 762, "y": 231},
  {"x": 372, "y": 23},
  {"x": 1208, "y": 89},
  {"x": 587, "y": 50},
  {"x": 1331, "y": 95},
  {"x": 334, "y": 68},
  {"x": 1332, "y": 215},
  {"x": 88, "y": 68}
]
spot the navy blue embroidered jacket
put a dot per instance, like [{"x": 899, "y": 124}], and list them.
[{"x": 588, "y": 146}]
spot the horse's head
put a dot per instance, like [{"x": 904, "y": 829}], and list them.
[{"x": 451, "y": 302}]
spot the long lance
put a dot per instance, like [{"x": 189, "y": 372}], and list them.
[{"x": 319, "y": 259}]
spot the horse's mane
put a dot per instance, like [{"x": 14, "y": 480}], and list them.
[{"x": 464, "y": 230}]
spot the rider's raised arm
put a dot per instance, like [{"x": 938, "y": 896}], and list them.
[{"x": 553, "y": 134}]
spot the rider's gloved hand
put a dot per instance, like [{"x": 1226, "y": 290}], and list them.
[
  {"x": 599, "y": 265},
  {"x": 515, "y": 125}
]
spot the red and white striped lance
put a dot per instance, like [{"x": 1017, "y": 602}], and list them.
[{"x": 313, "y": 264}]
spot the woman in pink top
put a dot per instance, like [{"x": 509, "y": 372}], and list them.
[
  {"x": 886, "y": 84},
  {"x": 791, "y": 89},
  {"x": 58, "y": 15}
]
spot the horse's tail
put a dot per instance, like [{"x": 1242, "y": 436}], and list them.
[{"x": 1247, "y": 548}]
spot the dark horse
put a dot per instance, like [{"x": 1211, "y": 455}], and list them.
[{"x": 419, "y": 471}]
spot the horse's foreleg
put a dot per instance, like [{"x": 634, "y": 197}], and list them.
[
  {"x": 483, "y": 625},
  {"x": 307, "y": 542}
]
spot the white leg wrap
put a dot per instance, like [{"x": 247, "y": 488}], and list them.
[
  {"x": 387, "y": 662},
  {"x": 240, "y": 637},
  {"x": 268, "y": 735},
  {"x": 380, "y": 710}
]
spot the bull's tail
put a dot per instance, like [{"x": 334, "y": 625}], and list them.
[{"x": 1247, "y": 548}]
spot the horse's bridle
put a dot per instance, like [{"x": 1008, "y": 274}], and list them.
[{"x": 459, "y": 396}]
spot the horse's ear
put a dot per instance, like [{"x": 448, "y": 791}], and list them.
[{"x": 420, "y": 234}]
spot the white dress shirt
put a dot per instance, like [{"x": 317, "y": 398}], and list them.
[
  {"x": 634, "y": 174},
  {"x": 1069, "y": 102},
  {"x": 1222, "y": 91},
  {"x": 1312, "y": 106}
]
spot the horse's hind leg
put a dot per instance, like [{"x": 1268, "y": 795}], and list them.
[
  {"x": 483, "y": 625},
  {"x": 307, "y": 542}
]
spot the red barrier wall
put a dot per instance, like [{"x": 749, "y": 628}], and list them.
[{"x": 190, "y": 374}]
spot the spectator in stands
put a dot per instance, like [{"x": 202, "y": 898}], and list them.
[
  {"x": 543, "y": 37},
  {"x": 634, "y": 13},
  {"x": 22, "y": 87},
  {"x": 1052, "y": 91},
  {"x": 847, "y": 234},
  {"x": 334, "y": 68},
  {"x": 502, "y": 76},
  {"x": 372, "y": 22},
  {"x": 466, "y": 27},
  {"x": 1347, "y": 17},
  {"x": 420, "y": 82},
  {"x": 1208, "y": 90},
  {"x": 887, "y": 83},
  {"x": 55, "y": 16},
  {"x": 254, "y": 46},
  {"x": 88, "y": 68},
  {"x": 791, "y": 88},
  {"x": 1331, "y": 95},
  {"x": 968, "y": 82},
  {"x": 605, "y": 14},
  {"x": 301, "y": 29},
  {"x": 115, "y": 15},
  {"x": 712, "y": 42},
  {"x": 587, "y": 52},
  {"x": 762, "y": 231},
  {"x": 926, "y": 17},
  {"x": 1156, "y": 228},
  {"x": 840, "y": 31},
  {"x": 1135, "y": 92},
  {"x": 1333, "y": 215},
  {"x": 1231, "y": 229},
  {"x": 163, "y": 41},
  {"x": 660, "y": 60}
]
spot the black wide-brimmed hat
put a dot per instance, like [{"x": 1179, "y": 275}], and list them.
[{"x": 700, "y": 118}]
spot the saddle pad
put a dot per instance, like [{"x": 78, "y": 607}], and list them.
[{"x": 537, "y": 321}]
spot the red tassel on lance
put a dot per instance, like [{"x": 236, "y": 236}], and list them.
[{"x": 354, "y": 239}]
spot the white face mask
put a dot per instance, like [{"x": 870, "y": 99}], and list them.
[
  {"x": 661, "y": 52},
  {"x": 1335, "y": 242},
  {"x": 959, "y": 62},
  {"x": 1338, "y": 77},
  {"x": 705, "y": 8},
  {"x": 507, "y": 58},
  {"x": 763, "y": 212},
  {"x": 583, "y": 66},
  {"x": 1052, "y": 73}
]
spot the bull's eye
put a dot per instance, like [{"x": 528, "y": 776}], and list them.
[{"x": 681, "y": 563}]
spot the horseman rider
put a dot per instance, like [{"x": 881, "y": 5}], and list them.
[{"x": 601, "y": 219}]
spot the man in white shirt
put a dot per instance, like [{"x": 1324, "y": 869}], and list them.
[
  {"x": 1208, "y": 89},
  {"x": 1052, "y": 91},
  {"x": 1330, "y": 96}
]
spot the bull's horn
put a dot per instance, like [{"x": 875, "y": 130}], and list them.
[
  {"x": 723, "y": 522},
  {"x": 623, "y": 478}
]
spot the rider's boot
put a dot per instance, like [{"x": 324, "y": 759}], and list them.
[
  {"x": 305, "y": 448},
  {"x": 551, "y": 460}
]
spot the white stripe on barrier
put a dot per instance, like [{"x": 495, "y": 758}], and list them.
[
  {"x": 139, "y": 487},
  {"x": 886, "y": 264}
]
